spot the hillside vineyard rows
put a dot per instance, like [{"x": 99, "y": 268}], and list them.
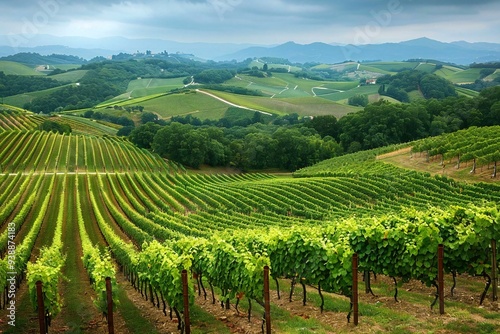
[{"x": 154, "y": 220}]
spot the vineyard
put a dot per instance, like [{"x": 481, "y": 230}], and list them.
[
  {"x": 100, "y": 203},
  {"x": 478, "y": 146}
]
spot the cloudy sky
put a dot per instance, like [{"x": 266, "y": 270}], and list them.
[{"x": 257, "y": 21}]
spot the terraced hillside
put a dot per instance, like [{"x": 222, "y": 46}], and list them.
[{"x": 97, "y": 202}]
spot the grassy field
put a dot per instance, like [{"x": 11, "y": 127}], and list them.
[
  {"x": 466, "y": 76},
  {"x": 368, "y": 68},
  {"x": 21, "y": 99},
  {"x": 347, "y": 67},
  {"x": 66, "y": 67},
  {"x": 446, "y": 71},
  {"x": 10, "y": 107},
  {"x": 303, "y": 106},
  {"x": 283, "y": 85},
  {"x": 393, "y": 67},
  {"x": 466, "y": 92},
  {"x": 343, "y": 96},
  {"x": 426, "y": 67},
  {"x": 260, "y": 64},
  {"x": 71, "y": 76},
  {"x": 415, "y": 95},
  {"x": 267, "y": 86},
  {"x": 192, "y": 103},
  {"x": 283, "y": 92},
  {"x": 148, "y": 86},
  {"x": 493, "y": 76},
  {"x": 10, "y": 67}
]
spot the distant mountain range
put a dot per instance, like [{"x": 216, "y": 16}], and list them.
[
  {"x": 461, "y": 52},
  {"x": 88, "y": 48}
]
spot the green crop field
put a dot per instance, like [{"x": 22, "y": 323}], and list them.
[
  {"x": 192, "y": 103},
  {"x": 493, "y": 76},
  {"x": 415, "y": 95},
  {"x": 66, "y": 67},
  {"x": 9, "y": 67},
  {"x": 466, "y": 92},
  {"x": 321, "y": 67},
  {"x": 303, "y": 106},
  {"x": 71, "y": 76},
  {"x": 82, "y": 207},
  {"x": 21, "y": 99},
  {"x": 392, "y": 67},
  {"x": 447, "y": 71},
  {"x": 465, "y": 76},
  {"x": 426, "y": 67},
  {"x": 345, "y": 67},
  {"x": 283, "y": 85},
  {"x": 363, "y": 90},
  {"x": 147, "y": 86},
  {"x": 369, "y": 68},
  {"x": 260, "y": 64},
  {"x": 346, "y": 85},
  {"x": 80, "y": 125}
]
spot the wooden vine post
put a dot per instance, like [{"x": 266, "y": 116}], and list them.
[
  {"x": 355, "y": 288},
  {"x": 41, "y": 308},
  {"x": 187, "y": 323},
  {"x": 494, "y": 269},
  {"x": 109, "y": 302},
  {"x": 441, "y": 278},
  {"x": 267, "y": 303}
]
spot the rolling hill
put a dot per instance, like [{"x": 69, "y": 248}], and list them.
[
  {"x": 15, "y": 68},
  {"x": 79, "y": 198},
  {"x": 422, "y": 48}
]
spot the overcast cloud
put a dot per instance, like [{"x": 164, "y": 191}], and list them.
[{"x": 258, "y": 21}]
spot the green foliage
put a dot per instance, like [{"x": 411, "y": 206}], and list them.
[
  {"x": 160, "y": 267},
  {"x": 125, "y": 131},
  {"x": 18, "y": 84},
  {"x": 234, "y": 89},
  {"x": 143, "y": 135},
  {"x": 90, "y": 92},
  {"x": 485, "y": 65},
  {"x": 255, "y": 148},
  {"x": 48, "y": 267},
  {"x": 486, "y": 71},
  {"x": 119, "y": 120},
  {"x": 358, "y": 100},
  {"x": 478, "y": 144},
  {"x": 98, "y": 265},
  {"x": 325, "y": 126},
  {"x": 213, "y": 76},
  {"x": 147, "y": 117},
  {"x": 383, "y": 124},
  {"x": 431, "y": 86},
  {"x": 102, "y": 81},
  {"x": 34, "y": 59},
  {"x": 50, "y": 126}
]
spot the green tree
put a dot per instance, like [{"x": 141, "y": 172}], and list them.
[
  {"x": 325, "y": 125},
  {"x": 144, "y": 135},
  {"x": 147, "y": 117},
  {"x": 359, "y": 100},
  {"x": 125, "y": 131},
  {"x": 260, "y": 150},
  {"x": 51, "y": 126}
]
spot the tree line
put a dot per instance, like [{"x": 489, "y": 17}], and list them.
[
  {"x": 430, "y": 85},
  {"x": 257, "y": 146},
  {"x": 18, "y": 84},
  {"x": 383, "y": 123},
  {"x": 290, "y": 142}
]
